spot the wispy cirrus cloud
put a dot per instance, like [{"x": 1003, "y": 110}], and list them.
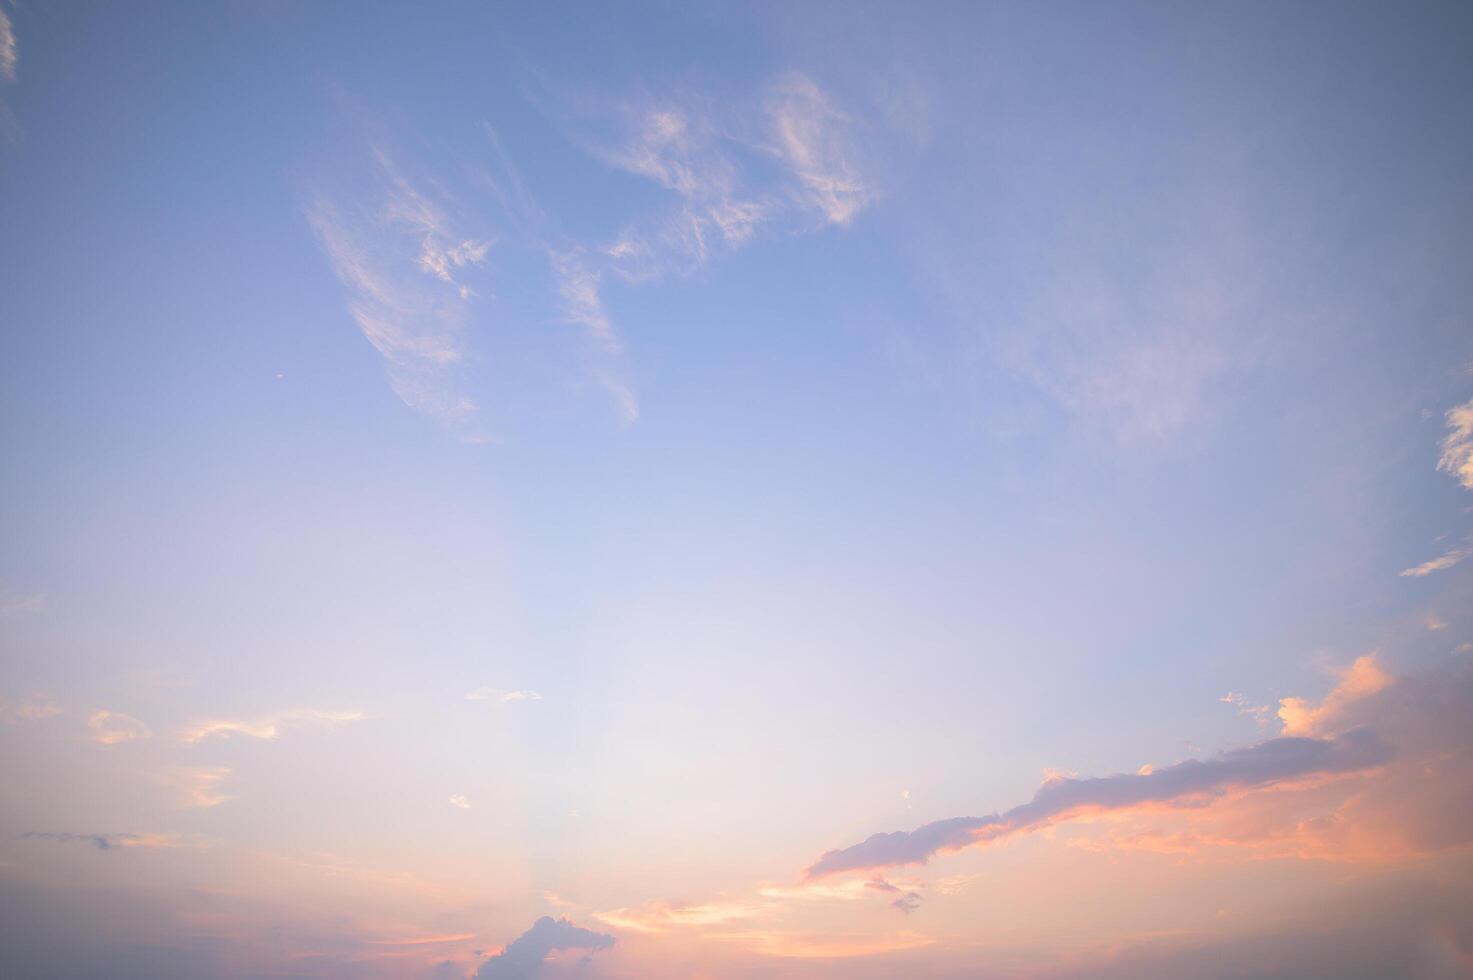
[
  {"x": 268, "y": 727},
  {"x": 811, "y": 137},
  {"x": 400, "y": 259},
  {"x": 9, "y": 52},
  {"x": 501, "y": 696},
  {"x": 1441, "y": 563},
  {"x": 115, "y": 728}
]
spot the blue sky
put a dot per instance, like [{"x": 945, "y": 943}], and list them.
[{"x": 791, "y": 424}]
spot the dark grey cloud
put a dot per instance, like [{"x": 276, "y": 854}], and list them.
[
  {"x": 523, "y": 956},
  {"x": 1272, "y": 761}
]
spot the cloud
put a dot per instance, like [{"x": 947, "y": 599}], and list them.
[
  {"x": 33, "y": 708},
  {"x": 1258, "y": 712},
  {"x": 400, "y": 264},
  {"x": 269, "y": 727},
  {"x": 1457, "y": 445},
  {"x": 196, "y": 786},
  {"x": 500, "y": 696},
  {"x": 1438, "y": 564},
  {"x": 1276, "y": 760},
  {"x": 1361, "y": 679},
  {"x": 9, "y": 53},
  {"x": 13, "y": 604},
  {"x": 905, "y": 901},
  {"x": 460, "y": 801},
  {"x": 810, "y": 137},
  {"x": 523, "y": 956},
  {"x": 114, "y": 728},
  {"x": 108, "y": 842}
]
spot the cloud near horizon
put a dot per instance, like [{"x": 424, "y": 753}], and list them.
[
  {"x": 269, "y": 727},
  {"x": 523, "y": 957},
  {"x": 1406, "y": 741},
  {"x": 1276, "y": 760}
]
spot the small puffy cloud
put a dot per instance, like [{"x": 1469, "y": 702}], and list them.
[
  {"x": 501, "y": 696},
  {"x": 1361, "y": 679},
  {"x": 1457, "y": 445},
  {"x": 460, "y": 801},
  {"x": 33, "y": 708},
  {"x": 268, "y": 727},
  {"x": 114, "y": 727},
  {"x": 523, "y": 957}
]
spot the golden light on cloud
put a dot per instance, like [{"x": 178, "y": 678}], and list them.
[{"x": 115, "y": 728}]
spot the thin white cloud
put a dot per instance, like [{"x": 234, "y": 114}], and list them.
[
  {"x": 33, "y": 708},
  {"x": 18, "y": 604},
  {"x": 1260, "y": 713},
  {"x": 810, "y": 136},
  {"x": 460, "y": 801},
  {"x": 400, "y": 264},
  {"x": 1457, "y": 445},
  {"x": 196, "y": 786},
  {"x": 268, "y": 727},
  {"x": 9, "y": 53},
  {"x": 115, "y": 728},
  {"x": 1440, "y": 563},
  {"x": 500, "y": 696}
]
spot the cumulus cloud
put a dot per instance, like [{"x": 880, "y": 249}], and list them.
[
  {"x": 523, "y": 957},
  {"x": 1457, "y": 445},
  {"x": 268, "y": 727},
  {"x": 460, "y": 801},
  {"x": 500, "y": 696},
  {"x": 114, "y": 727},
  {"x": 1361, "y": 679},
  {"x": 1273, "y": 761}
]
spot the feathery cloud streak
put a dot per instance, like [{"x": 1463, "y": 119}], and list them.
[
  {"x": 269, "y": 727},
  {"x": 400, "y": 265}
]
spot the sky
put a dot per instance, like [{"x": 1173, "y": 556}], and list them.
[{"x": 754, "y": 490}]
